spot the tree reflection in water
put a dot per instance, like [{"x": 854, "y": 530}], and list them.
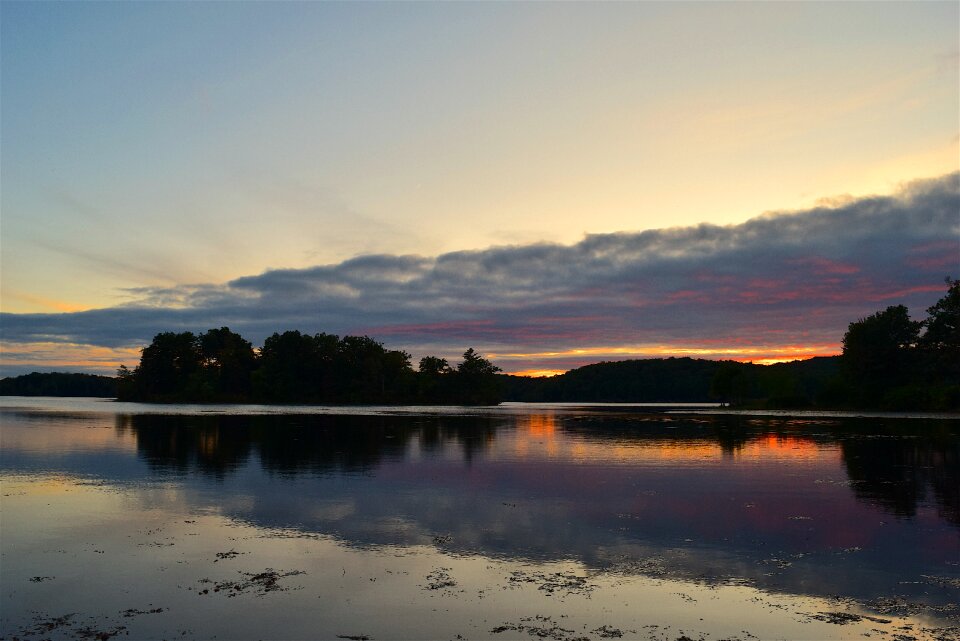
[
  {"x": 898, "y": 471},
  {"x": 891, "y": 464},
  {"x": 786, "y": 504},
  {"x": 317, "y": 444}
]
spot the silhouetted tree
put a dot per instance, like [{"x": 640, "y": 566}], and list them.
[
  {"x": 360, "y": 371},
  {"x": 781, "y": 388},
  {"x": 878, "y": 353},
  {"x": 729, "y": 384},
  {"x": 434, "y": 380},
  {"x": 476, "y": 380},
  {"x": 941, "y": 337},
  {"x": 127, "y": 388},
  {"x": 398, "y": 383},
  {"x": 475, "y": 365},
  {"x": 939, "y": 347},
  {"x": 168, "y": 367},
  {"x": 228, "y": 361},
  {"x": 59, "y": 384},
  {"x": 433, "y": 366},
  {"x": 292, "y": 367},
  {"x": 297, "y": 367},
  {"x": 370, "y": 373}
]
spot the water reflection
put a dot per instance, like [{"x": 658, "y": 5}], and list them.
[
  {"x": 317, "y": 444},
  {"x": 863, "y": 508},
  {"x": 896, "y": 468},
  {"x": 899, "y": 474}
]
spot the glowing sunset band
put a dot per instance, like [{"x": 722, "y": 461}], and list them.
[
  {"x": 105, "y": 360},
  {"x": 761, "y": 355},
  {"x": 539, "y": 373},
  {"x": 69, "y": 357},
  {"x": 779, "y": 287}
]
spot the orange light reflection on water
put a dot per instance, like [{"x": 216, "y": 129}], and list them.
[
  {"x": 542, "y": 436},
  {"x": 540, "y": 425},
  {"x": 779, "y": 446},
  {"x": 537, "y": 433},
  {"x": 100, "y": 434}
]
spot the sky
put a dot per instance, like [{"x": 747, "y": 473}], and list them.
[{"x": 551, "y": 183}]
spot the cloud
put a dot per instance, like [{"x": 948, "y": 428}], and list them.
[{"x": 782, "y": 279}]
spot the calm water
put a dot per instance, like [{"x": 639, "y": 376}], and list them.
[{"x": 515, "y": 522}]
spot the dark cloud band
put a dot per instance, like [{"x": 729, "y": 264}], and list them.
[{"x": 785, "y": 278}]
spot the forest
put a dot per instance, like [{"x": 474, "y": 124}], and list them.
[
  {"x": 684, "y": 380},
  {"x": 889, "y": 362},
  {"x": 59, "y": 384},
  {"x": 221, "y": 366}
]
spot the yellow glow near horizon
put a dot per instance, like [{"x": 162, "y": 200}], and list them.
[
  {"x": 774, "y": 360},
  {"x": 538, "y": 373},
  {"x": 105, "y": 360},
  {"x": 51, "y": 355},
  {"x": 22, "y": 303},
  {"x": 765, "y": 355}
]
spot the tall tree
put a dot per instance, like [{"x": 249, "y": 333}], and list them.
[
  {"x": 729, "y": 384},
  {"x": 228, "y": 361},
  {"x": 476, "y": 380},
  {"x": 474, "y": 364},
  {"x": 941, "y": 338},
  {"x": 434, "y": 366},
  {"x": 878, "y": 353},
  {"x": 434, "y": 380},
  {"x": 368, "y": 372},
  {"x": 168, "y": 366},
  {"x": 296, "y": 367}
]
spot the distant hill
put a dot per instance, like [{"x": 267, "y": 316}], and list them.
[
  {"x": 639, "y": 381},
  {"x": 59, "y": 384},
  {"x": 683, "y": 380},
  {"x": 661, "y": 380}
]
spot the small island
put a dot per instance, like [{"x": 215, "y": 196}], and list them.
[
  {"x": 221, "y": 366},
  {"x": 889, "y": 362}
]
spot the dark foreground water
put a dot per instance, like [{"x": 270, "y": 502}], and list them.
[{"x": 516, "y": 522}]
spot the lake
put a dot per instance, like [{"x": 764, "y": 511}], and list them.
[{"x": 515, "y": 522}]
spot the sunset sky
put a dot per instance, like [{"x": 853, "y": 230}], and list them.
[{"x": 553, "y": 184}]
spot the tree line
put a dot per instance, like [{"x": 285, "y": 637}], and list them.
[
  {"x": 59, "y": 384},
  {"x": 686, "y": 380},
  {"x": 221, "y": 366},
  {"x": 889, "y": 362},
  {"x": 893, "y": 362}
]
